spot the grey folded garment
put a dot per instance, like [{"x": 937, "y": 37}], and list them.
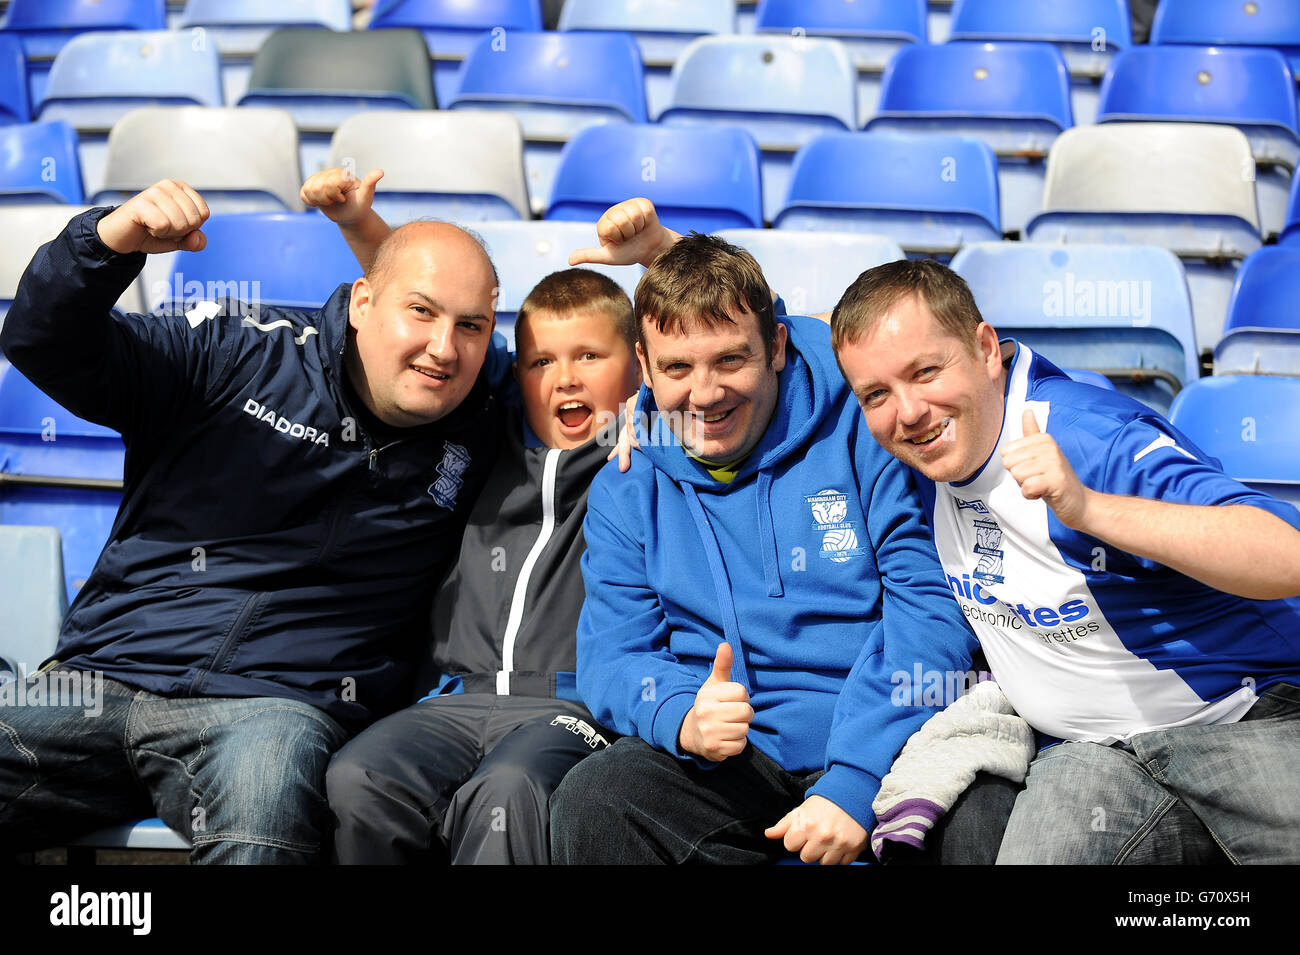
[{"x": 980, "y": 732}]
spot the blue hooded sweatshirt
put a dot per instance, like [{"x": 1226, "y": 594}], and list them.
[{"x": 816, "y": 565}]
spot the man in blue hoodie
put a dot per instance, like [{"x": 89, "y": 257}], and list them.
[{"x": 757, "y": 577}]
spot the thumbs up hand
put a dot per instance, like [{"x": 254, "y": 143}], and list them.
[
  {"x": 1042, "y": 471},
  {"x": 716, "y": 726}
]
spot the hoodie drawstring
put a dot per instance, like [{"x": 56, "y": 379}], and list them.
[
  {"x": 721, "y": 586},
  {"x": 767, "y": 537}
]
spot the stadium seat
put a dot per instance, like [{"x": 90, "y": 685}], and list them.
[
  {"x": 45, "y": 26},
  {"x": 931, "y": 194},
  {"x": 240, "y": 160},
  {"x": 1253, "y": 90},
  {"x": 783, "y": 91},
  {"x": 322, "y": 78},
  {"x": 100, "y": 77},
  {"x": 1248, "y": 423},
  {"x": 454, "y": 164},
  {"x": 1013, "y": 96},
  {"x": 1291, "y": 233},
  {"x": 811, "y": 270},
  {"x": 554, "y": 84},
  {"x": 1262, "y": 333},
  {"x": 872, "y": 31},
  {"x": 526, "y": 252},
  {"x": 938, "y": 20},
  {"x": 452, "y": 27},
  {"x": 1120, "y": 310},
  {"x": 23, "y": 230},
  {"x": 1182, "y": 186},
  {"x": 33, "y": 599},
  {"x": 14, "y": 105},
  {"x": 703, "y": 177},
  {"x": 1087, "y": 32},
  {"x": 38, "y": 163},
  {"x": 57, "y": 470},
  {"x": 238, "y": 28},
  {"x": 287, "y": 259},
  {"x": 1273, "y": 23},
  {"x": 662, "y": 29}
]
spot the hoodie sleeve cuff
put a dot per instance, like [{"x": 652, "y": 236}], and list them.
[
  {"x": 667, "y": 723},
  {"x": 851, "y": 790}
]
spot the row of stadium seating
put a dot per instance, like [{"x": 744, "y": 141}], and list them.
[{"x": 1190, "y": 188}]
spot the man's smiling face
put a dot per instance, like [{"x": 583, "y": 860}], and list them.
[
  {"x": 930, "y": 399},
  {"x": 714, "y": 383},
  {"x": 422, "y": 324}
]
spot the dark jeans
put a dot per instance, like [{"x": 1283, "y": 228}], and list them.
[
  {"x": 634, "y": 804},
  {"x": 241, "y": 778},
  {"x": 464, "y": 778}
]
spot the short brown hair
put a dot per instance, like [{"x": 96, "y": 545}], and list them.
[
  {"x": 876, "y": 291},
  {"x": 579, "y": 290},
  {"x": 696, "y": 280}
]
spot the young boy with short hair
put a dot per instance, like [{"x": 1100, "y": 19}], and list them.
[{"x": 465, "y": 775}]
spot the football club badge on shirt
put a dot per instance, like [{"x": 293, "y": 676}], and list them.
[
  {"x": 451, "y": 471},
  {"x": 830, "y": 510}
]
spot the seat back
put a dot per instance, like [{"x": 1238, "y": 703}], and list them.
[
  {"x": 662, "y": 27},
  {"x": 239, "y": 160},
  {"x": 871, "y": 30},
  {"x": 38, "y": 163},
  {"x": 811, "y": 270},
  {"x": 32, "y": 598},
  {"x": 700, "y": 177},
  {"x": 14, "y": 105},
  {"x": 1248, "y": 423},
  {"x": 1087, "y": 31},
  {"x": 1261, "y": 23},
  {"x": 241, "y": 26},
  {"x": 461, "y": 165},
  {"x": 286, "y": 259},
  {"x": 868, "y": 182},
  {"x": 452, "y": 27},
  {"x": 1262, "y": 332},
  {"x": 1122, "y": 310},
  {"x": 99, "y": 77},
  {"x": 555, "y": 83}
]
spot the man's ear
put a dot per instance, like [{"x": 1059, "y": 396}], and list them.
[
  {"x": 778, "y": 347},
  {"x": 988, "y": 349},
  {"x": 644, "y": 363},
  {"x": 359, "y": 303}
]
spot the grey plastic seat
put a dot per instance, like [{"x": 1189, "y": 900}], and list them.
[
  {"x": 32, "y": 598},
  {"x": 23, "y": 230},
  {"x": 240, "y": 159},
  {"x": 462, "y": 165},
  {"x": 1189, "y": 188},
  {"x": 811, "y": 270}
]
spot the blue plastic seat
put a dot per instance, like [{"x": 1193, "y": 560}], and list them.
[
  {"x": 57, "y": 470},
  {"x": 1291, "y": 232},
  {"x": 704, "y": 178},
  {"x": 452, "y": 27},
  {"x": 1262, "y": 331},
  {"x": 783, "y": 91},
  {"x": 1087, "y": 32},
  {"x": 555, "y": 84},
  {"x": 871, "y": 30},
  {"x": 811, "y": 270},
  {"x": 14, "y": 105},
  {"x": 240, "y": 27},
  {"x": 1013, "y": 96},
  {"x": 1248, "y": 423},
  {"x": 32, "y": 598},
  {"x": 287, "y": 259},
  {"x": 38, "y": 163},
  {"x": 662, "y": 29},
  {"x": 870, "y": 182},
  {"x": 527, "y": 252},
  {"x": 1120, "y": 310},
  {"x": 1252, "y": 89},
  {"x": 45, "y": 26},
  {"x": 1273, "y": 23},
  {"x": 1186, "y": 187}
]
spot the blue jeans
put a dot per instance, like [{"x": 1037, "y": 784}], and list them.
[
  {"x": 1193, "y": 794},
  {"x": 242, "y": 778}
]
